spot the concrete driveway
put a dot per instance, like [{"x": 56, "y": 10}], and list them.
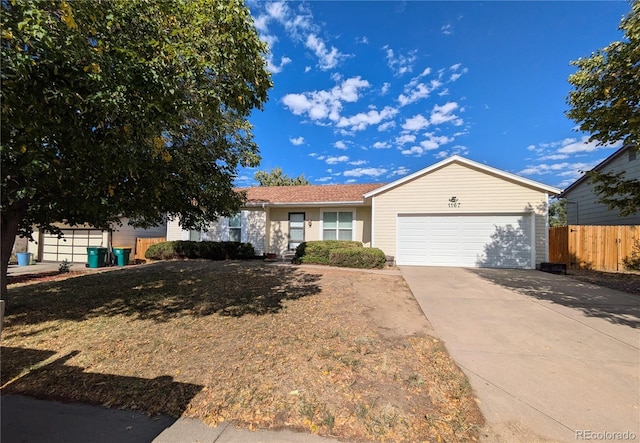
[{"x": 550, "y": 358}]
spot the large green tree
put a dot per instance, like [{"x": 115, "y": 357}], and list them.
[
  {"x": 276, "y": 177},
  {"x": 606, "y": 103},
  {"x": 558, "y": 213},
  {"x": 134, "y": 108}
]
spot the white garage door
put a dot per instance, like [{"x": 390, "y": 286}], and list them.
[
  {"x": 494, "y": 241},
  {"x": 73, "y": 246}
]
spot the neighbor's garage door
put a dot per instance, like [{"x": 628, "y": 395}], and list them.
[
  {"x": 495, "y": 241},
  {"x": 73, "y": 246}
]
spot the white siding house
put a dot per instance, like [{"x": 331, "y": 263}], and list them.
[
  {"x": 454, "y": 213},
  {"x": 583, "y": 207},
  {"x": 461, "y": 213}
]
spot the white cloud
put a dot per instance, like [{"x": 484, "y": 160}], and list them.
[
  {"x": 362, "y": 40},
  {"x": 275, "y": 69},
  {"x": 387, "y": 125},
  {"x": 434, "y": 141},
  {"x": 277, "y": 10},
  {"x": 381, "y": 145},
  {"x": 400, "y": 64},
  {"x": 447, "y": 29},
  {"x": 385, "y": 88},
  {"x": 358, "y": 163},
  {"x": 415, "y": 92},
  {"x": 324, "y": 179},
  {"x": 415, "y": 151},
  {"x": 458, "y": 71},
  {"x": 261, "y": 23},
  {"x": 307, "y": 69},
  {"x": 399, "y": 171},
  {"x": 362, "y": 120},
  {"x": 456, "y": 150},
  {"x": 545, "y": 168},
  {"x": 554, "y": 157},
  {"x": 327, "y": 58},
  {"x": 299, "y": 26},
  {"x": 443, "y": 114},
  {"x": 297, "y": 141},
  {"x": 359, "y": 172},
  {"x": 405, "y": 138},
  {"x": 340, "y": 145},
  {"x": 336, "y": 159},
  {"x": 320, "y": 105},
  {"x": 573, "y": 146},
  {"x": 415, "y": 123}
]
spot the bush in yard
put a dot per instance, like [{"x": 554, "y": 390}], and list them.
[
  {"x": 206, "y": 249},
  {"x": 364, "y": 258},
  {"x": 319, "y": 251},
  {"x": 633, "y": 263}
]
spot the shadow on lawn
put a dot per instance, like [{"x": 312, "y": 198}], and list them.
[
  {"x": 162, "y": 291},
  {"x": 594, "y": 301},
  {"x": 58, "y": 381}
]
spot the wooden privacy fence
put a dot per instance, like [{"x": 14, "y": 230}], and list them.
[
  {"x": 142, "y": 244},
  {"x": 602, "y": 248}
]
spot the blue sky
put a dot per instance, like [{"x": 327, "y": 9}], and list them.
[{"x": 368, "y": 91}]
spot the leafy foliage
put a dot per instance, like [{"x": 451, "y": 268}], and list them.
[
  {"x": 209, "y": 250},
  {"x": 558, "y": 213},
  {"x": 363, "y": 258},
  {"x": 276, "y": 177},
  {"x": 134, "y": 108},
  {"x": 64, "y": 267},
  {"x": 320, "y": 251},
  {"x": 349, "y": 254},
  {"x": 606, "y": 103},
  {"x": 606, "y": 98},
  {"x": 616, "y": 191},
  {"x": 633, "y": 263}
]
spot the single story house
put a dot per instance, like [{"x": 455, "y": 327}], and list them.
[
  {"x": 456, "y": 212},
  {"x": 73, "y": 245},
  {"x": 583, "y": 207}
]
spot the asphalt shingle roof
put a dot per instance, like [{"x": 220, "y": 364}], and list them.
[{"x": 309, "y": 194}]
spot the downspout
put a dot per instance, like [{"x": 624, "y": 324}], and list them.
[{"x": 266, "y": 242}]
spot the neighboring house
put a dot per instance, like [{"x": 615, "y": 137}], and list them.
[
  {"x": 73, "y": 245},
  {"x": 583, "y": 207},
  {"x": 454, "y": 213}
]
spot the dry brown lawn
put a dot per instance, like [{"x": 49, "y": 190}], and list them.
[{"x": 342, "y": 353}]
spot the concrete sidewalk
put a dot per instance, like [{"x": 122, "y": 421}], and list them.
[
  {"x": 550, "y": 358},
  {"x": 25, "y": 419},
  {"x": 37, "y": 268}
]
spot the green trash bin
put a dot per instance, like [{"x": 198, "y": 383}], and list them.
[
  {"x": 122, "y": 255},
  {"x": 96, "y": 256}
]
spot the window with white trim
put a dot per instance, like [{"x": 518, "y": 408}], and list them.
[
  {"x": 235, "y": 227},
  {"x": 337, "y": 225}
]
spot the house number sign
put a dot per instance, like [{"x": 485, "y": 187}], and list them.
[{"x": 454, "y": 202}]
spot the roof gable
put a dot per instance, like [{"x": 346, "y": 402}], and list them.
[
  {"x": 464, "y": 161},
  {"x": 309, "y": 194}
]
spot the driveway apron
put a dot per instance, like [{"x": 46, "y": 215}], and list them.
[{"x": 549, "y": 358}]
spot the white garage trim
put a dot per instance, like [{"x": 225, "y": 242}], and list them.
[
  {"x": 72, "y": 246},
  {"x": 466, "y": 240}
]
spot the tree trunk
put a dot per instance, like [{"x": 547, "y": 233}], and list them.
[{"x": 9, "y": 222}]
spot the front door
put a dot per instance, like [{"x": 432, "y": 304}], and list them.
[{"x": 296, "y": 229}]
